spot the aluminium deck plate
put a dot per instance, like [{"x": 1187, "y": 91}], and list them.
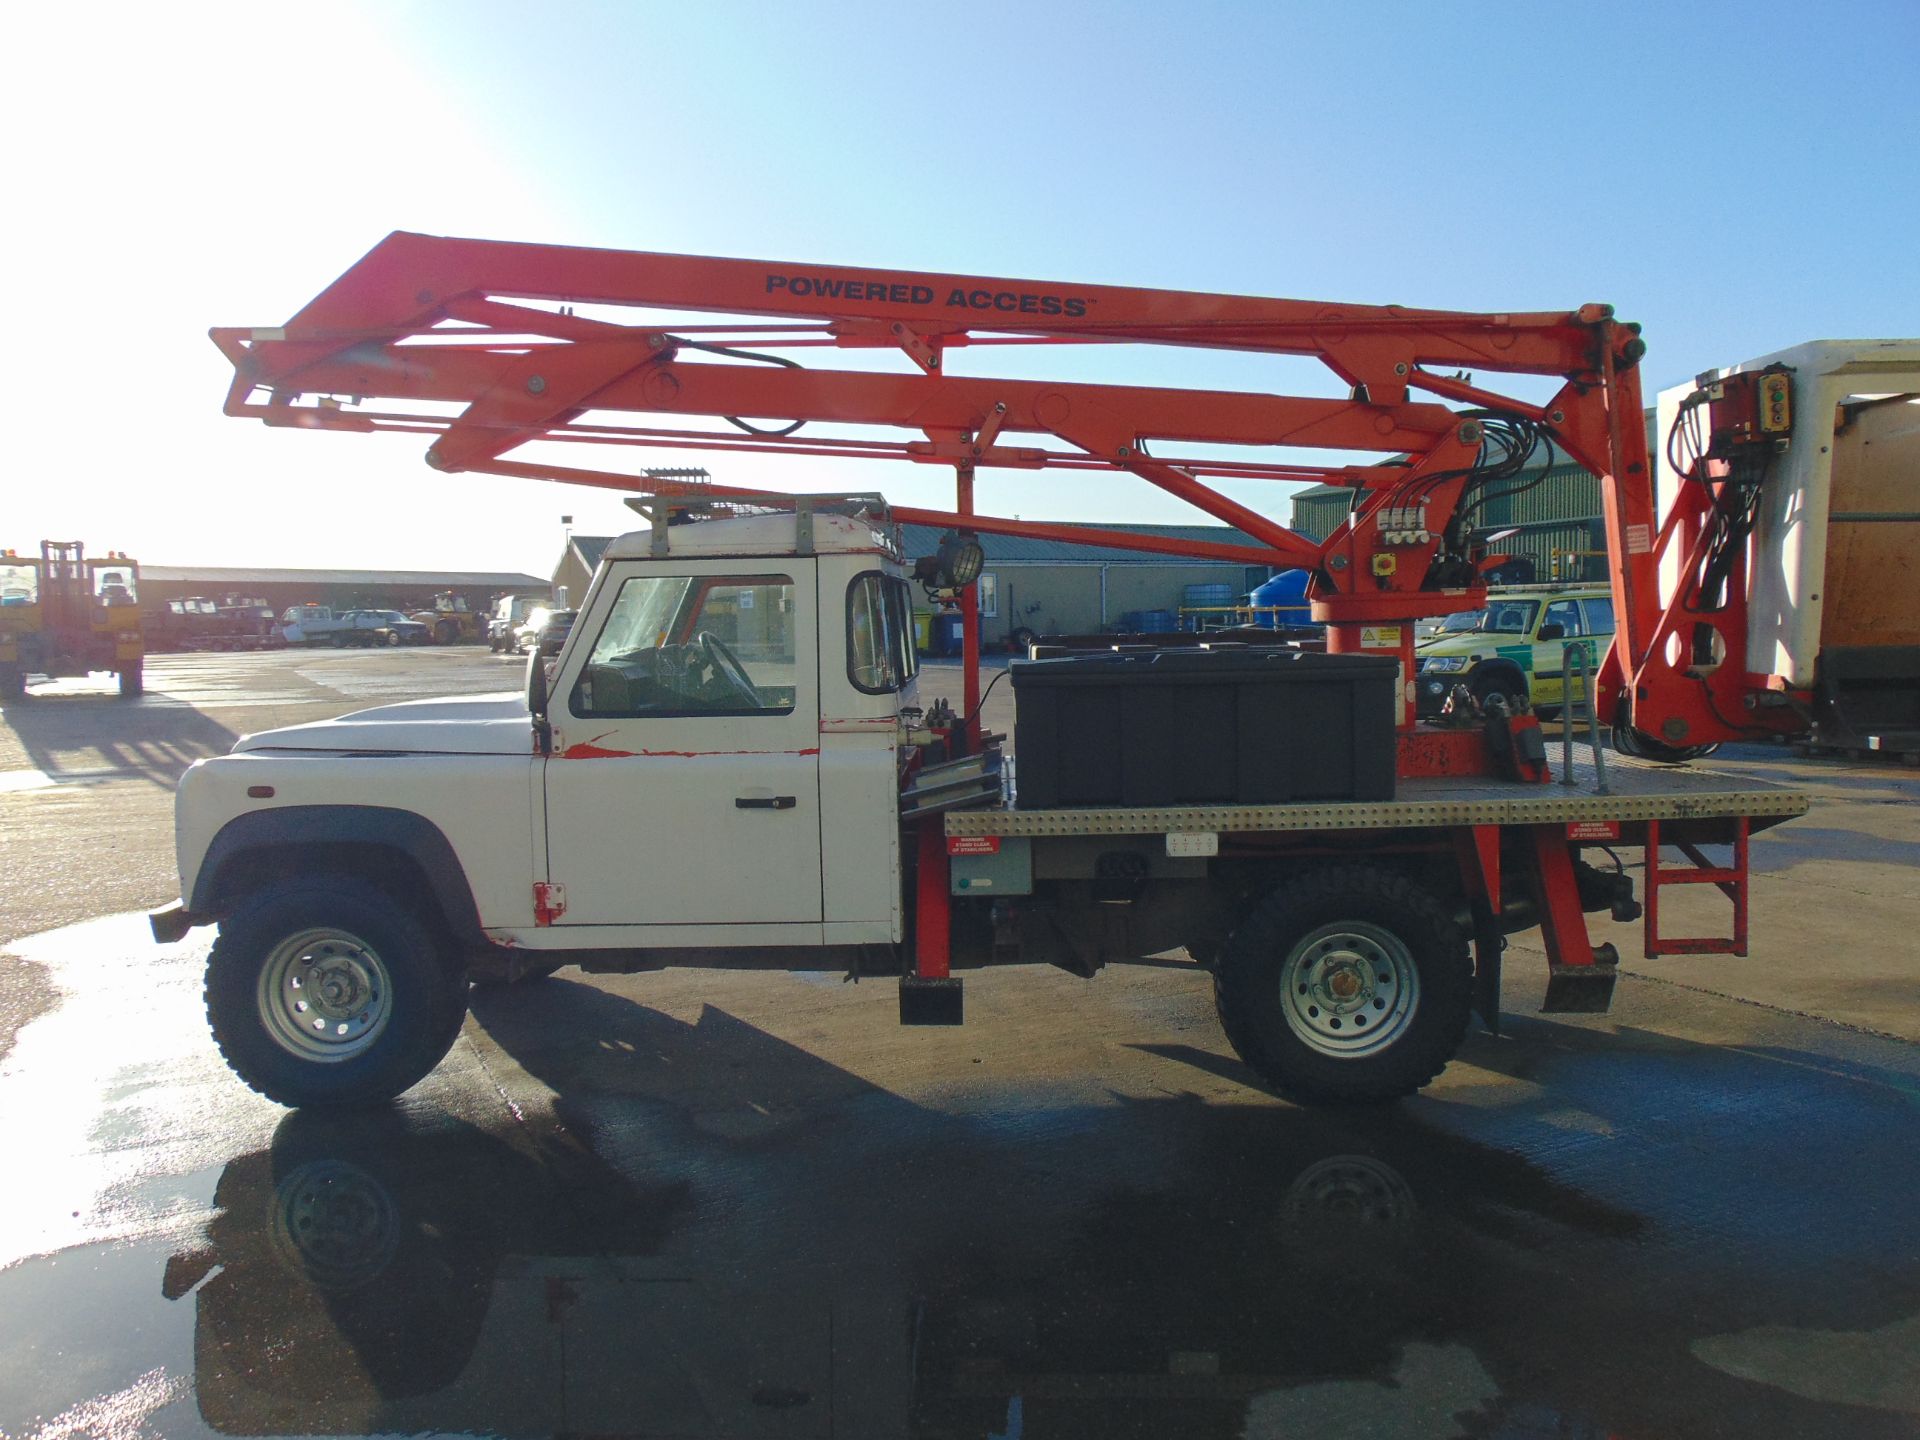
[{"x": 1637, "y": 790}]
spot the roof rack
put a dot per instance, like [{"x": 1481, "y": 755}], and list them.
[{"x": 690, "y": 507}]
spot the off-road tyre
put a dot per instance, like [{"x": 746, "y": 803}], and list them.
[
  {"x": 1248, "y": 978},
  {"x": 1498, "y": 682},
  {"x": 13, "y": 683},
  {"x": 425, "y": 999},
  {"x": 133, "y": 681}
]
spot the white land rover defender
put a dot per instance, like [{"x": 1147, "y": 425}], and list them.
[{"x": 707, "y": 770}]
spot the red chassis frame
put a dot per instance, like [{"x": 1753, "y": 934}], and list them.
[{"x": 428, "y": 321}]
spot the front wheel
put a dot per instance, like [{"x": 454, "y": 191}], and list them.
[
  {"x": 329, "y": 993},
  {"x": 1349, "y": 984},
  {"x": 133, "y": 681},
  {"x": 13, "y": 683}
]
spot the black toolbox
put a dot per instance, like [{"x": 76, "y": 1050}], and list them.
[{"x": 1191, "y": 727}]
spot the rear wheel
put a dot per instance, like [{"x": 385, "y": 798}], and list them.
[
  {"x": 13, "y": 683},
  {"x": 133, "y": 680},
  {"x": 330, "y": 993},
  {"x": 1346, "y": 985},
  {"x": 446, "y": 632}
]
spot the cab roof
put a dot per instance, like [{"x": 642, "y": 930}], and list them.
[{"x": 775, "y": 533}]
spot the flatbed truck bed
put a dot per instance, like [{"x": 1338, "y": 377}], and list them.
[{"x": 1635, "y": 792}]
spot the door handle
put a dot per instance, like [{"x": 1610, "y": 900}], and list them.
[{"x": 764, "y": 802}]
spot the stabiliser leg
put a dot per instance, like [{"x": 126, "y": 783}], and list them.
[
  {"x": 1580, "y": 975},
  {"x": 929, "y": 994}
]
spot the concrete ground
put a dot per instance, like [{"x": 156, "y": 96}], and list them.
[{"x": 712, "y": 1203}]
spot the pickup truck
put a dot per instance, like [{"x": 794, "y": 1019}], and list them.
[
  {"x": 323, "y": 625},
  {"x": 728, "y": 765}
]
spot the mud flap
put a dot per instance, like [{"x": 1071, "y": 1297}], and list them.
[
  {"x": 1582, "y": 989},
  {"x": 931, "y": 1002}
]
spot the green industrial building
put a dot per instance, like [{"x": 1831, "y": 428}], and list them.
[{"x": 1556, "y": 523}]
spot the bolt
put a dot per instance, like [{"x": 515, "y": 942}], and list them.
[
  {"x": 536, "y": 385},
  {"x": 1000, "y": 407},
  {"x": 933, "y": 362},
  {"x": 1401, "y": 368},
  {"x": 1557, "y": 417},
  {"x": 1125, "y": 451},
  {"x": 423, "y": 297},
  {"x": 1470, "y": 432}
]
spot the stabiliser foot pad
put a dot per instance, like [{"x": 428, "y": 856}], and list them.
[
  {"x": 1579, "y": 989},
  {"x": 930, "y": 1002}
]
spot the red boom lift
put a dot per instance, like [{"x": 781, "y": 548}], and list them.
[{"x": 478, "y": 344}]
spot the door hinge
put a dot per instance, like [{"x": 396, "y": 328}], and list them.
[{"x": 549, "y": 902}]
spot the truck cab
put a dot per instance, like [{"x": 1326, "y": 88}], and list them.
[
  {"x": 751, "y": 691},
  {"x": 712, "y": 764}
]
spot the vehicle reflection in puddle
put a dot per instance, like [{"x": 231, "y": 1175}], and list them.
[
  {"x": 609, "y": 1218},
  {"x": 364, "y": 1279}
]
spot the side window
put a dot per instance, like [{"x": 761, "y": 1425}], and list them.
[
  {"x": 880, "y": 652},
  {"x": 1599, "y": 615},
  {"x": 1565, "y": 614},
  {"x": 693, "y": 645}
]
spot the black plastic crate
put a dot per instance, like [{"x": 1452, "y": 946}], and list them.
[{"x": 1194, "y": 727}]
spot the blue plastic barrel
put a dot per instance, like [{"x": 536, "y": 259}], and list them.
[
  {"x": 947, "y": 632},
  {"x": 1285, "y": 594}
]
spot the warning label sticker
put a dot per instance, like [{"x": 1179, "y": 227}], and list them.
[
  {"x": 1639, "y": 539},
  {"x": 1379, "y": 637},
  {"x": 1593, "y": 830},
  {"x": 973, "y": 845}
]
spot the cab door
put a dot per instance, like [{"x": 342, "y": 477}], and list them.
[
  {"x": 1549, "y": 654},
  {"x": 684, "y": 785}
]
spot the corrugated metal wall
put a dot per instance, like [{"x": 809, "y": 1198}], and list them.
[
  {"x": 1565, "y": 492},
  {"x": 1318, "y": 516}
]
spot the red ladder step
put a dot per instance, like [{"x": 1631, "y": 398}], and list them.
[{"x": 1732, "y": 881}]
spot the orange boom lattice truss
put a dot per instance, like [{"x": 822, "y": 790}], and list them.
[{"x": 423, "y": 325}]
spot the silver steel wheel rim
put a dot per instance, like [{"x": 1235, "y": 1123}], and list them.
[
  {"x": 1349, "y": 989},
  {"x": 324, "y": 996}
]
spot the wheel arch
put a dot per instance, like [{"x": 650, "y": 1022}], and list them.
[
  {"x": 402, "y": 853},
  {"x": 1499, "y": 668}
]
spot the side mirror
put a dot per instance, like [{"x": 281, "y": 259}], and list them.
[
  {"x": 537, "y": 698},
  {"x": 1552, "y": 631}
]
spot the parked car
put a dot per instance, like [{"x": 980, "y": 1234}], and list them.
[
  {"x": 509, "y": 613},
  {"x": 1515, "y": 646},
  {"x": 394, "y": 627},
  {"x": 545, "y": 631}
]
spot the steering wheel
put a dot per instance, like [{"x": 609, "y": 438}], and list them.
[{"x": 727, "y": 665}]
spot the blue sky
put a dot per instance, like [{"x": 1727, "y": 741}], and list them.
[{"x": 1737, "y": 179}]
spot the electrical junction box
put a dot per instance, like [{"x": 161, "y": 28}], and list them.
[{"x": 990, "y": 864}]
